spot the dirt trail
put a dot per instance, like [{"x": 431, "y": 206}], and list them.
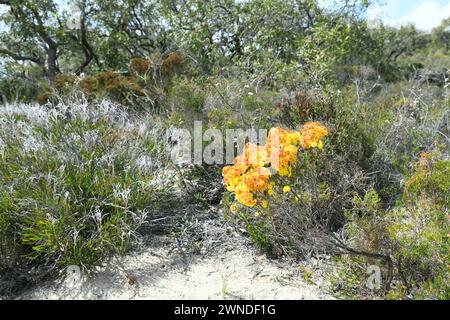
[{"x": 224, "y": 265}]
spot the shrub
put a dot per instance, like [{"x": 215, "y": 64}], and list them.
[
  {"x": 294, "y": 210},
  {"x": 74, "y": 188},
  {"x": 144, "y": 87},
  {"x": 429, "y": 180},
  {"x": 123, "y": 89},
  {"x": 173, "y": 63},
  {"x": 15, "y": 88},
  {"x": 239, "y": 103},
  {"x": 116, "y": 87},
  {"x": 186, "y": 101},
  {"x": 65, "y": 82},
  {"x": 140, "y": 66},
  {"x": 414, "y": 233},
  {"x": 90, "y": 85}
]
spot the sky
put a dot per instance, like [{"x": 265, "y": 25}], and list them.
[{"x": 425, "y": 14}]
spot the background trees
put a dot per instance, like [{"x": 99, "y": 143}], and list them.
[
  {"x": 271, "y": 38},
  {"x": 38, "y": 32}
]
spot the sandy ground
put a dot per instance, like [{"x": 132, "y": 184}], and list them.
[{"x": 224, "y": 265}]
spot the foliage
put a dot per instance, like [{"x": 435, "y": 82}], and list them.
[
  {"x": 74, "y": 188},
  {"x": 414, "y": 233},
  {"x": 144, "y": 87}
]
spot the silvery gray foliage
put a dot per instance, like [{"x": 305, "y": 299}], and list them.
[{"x": 46, "y": 140}]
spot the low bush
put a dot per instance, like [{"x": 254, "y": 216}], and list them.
[
  {"x": 294, "y": 210},
  {"x": 145, "y": 86},
  {"x": 414, "y": 233},
  {"x": 76, "y": 184},
  {"x": 355, "y": 197}
]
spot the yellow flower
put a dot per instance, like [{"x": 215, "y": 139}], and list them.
[
  {"x": 320, "y": 145},
  {"x": 244, "y": 196},
  {"x": 264, "y": 204},
  {"x": 249, "y": 175},
  {"x": 234, "y": 208},
  {"x": 285, "y": 171},
  {"x": 295, "y": 137},
  {"x": 232, "y": 175},
  {"x": 256, "y": 179}
]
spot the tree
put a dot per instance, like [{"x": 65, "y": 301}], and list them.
[
  {"x": 441, "y": 35},
  {"x": 220, "y": 35},
  {"x": 404, "y": 41},
  {"x": 37, "y": 33},
  {"x": 128, "y": 29}
]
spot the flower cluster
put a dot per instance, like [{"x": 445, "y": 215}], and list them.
[
  {"x": 250, "y": 174},
  {"x": 312, "y": 133},
  {"x": 282, "y": 145}
]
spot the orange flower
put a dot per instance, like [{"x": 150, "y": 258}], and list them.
[
  {"x": 244, "y": 196},
  {"x": 255, "y": 155},
  {"x": 232, "y": 175},
  {"x": 312, "y": 133},
  {"x": 257, "y": 179}
]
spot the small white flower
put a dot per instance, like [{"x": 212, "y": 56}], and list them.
[
  {"x": 98, "y": 215},
  {"x": 125, "y": 193},
  {"x": 116, "y": 190},
  {"x": 51, "y": 218}
]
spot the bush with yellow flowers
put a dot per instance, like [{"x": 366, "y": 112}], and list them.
[{"x": 287, "y": 187}]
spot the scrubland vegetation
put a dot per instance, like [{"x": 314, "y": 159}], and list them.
[{"x": 88, "y": 111}]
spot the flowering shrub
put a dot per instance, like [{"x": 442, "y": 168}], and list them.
[{"x": 251, "y": 177}]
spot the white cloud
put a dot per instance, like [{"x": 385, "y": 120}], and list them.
[
  {"x": 375, "y": 13},
  {"x": 425, "y": 16}
]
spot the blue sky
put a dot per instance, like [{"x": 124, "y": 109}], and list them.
[{"x": 425, "y": 14}]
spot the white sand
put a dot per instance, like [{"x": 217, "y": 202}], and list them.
[{"x": 229, "y": 272}]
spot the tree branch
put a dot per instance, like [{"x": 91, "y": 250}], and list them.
[
  {"x": 346, "y": 248},
  {"x": 88, "y": 50},
  {"x": 19, "y": 57}
]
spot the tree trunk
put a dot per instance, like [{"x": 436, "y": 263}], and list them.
[{"x": 52, "y": 66}]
